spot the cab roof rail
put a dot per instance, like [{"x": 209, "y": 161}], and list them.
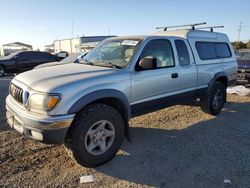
[
  {"x": 211, "y": 27},
  {"x": 165, "y": 28}
]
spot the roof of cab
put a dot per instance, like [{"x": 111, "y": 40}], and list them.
[
  {"x": 187, "y": 34},
  {"x": 181, "y": 33}
]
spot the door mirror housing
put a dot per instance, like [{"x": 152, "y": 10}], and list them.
[{"x": 147, "y": 63}]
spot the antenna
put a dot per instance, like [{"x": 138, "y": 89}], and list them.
[
  {"x": 165, "y": 28},
  {"x": 211, "y": 27}
]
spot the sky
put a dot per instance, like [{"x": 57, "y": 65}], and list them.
[{"x": 41, "y": 22}]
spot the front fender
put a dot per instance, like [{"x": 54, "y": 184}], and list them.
[{"x": 101, "y": 94}]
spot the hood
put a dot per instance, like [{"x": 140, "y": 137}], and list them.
[
  {"x": 48, "y": 79},
  {"x": 243, "y": 64},
  {"x": 50, "y": 64}
]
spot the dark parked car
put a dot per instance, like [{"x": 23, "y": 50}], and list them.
[
  {"x": 243, "y": 75},
  {"x": 23, "y": 61},
  {"x": 70, "y": 59}
]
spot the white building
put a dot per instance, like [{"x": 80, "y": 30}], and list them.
[
  {"x": 77, "y": 45},
  {"x": 9, "y": 48},
  {"x": 1, "y": 51}
]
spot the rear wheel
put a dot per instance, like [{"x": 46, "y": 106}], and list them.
[
  {"x": 215, "y": 99},
  {"x": 2, "y": 70},
  {"x": 96, "y": 135}
]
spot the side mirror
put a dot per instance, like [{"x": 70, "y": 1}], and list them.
[{"x": 147, "y": 63}]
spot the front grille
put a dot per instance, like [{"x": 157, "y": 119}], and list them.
[
  {"x": 16, "y": 93},
  {"x": 240, "y": 70}
]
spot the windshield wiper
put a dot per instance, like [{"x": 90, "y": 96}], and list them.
[
  {"x": 108, "y": 64},
  {"x": 101, "y": 64},
  {"x": 114, "y": 65},
  {"x": 86, "y": 62}
]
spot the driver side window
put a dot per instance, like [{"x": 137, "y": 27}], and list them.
[
  {"x": 161, "y": 50},
  {"x": 24, "y": 56}
]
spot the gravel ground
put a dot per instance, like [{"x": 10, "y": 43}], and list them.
[{"x": 175, "y": 147}]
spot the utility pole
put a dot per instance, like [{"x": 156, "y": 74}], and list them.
[
  {"x": 72, "y": 28},
  {"x": 109, "y": 31},
  {"x": 239, "y": 31}
]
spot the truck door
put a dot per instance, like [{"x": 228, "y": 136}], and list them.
[
  {"x": 188, "y": 69},
  {"x": 150, "y": 85}
]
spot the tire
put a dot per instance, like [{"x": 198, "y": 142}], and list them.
[
  {"x": 86, "y": 135},
  {"x": 215, "y": 99},
  {"x": 2, "y": 70}
]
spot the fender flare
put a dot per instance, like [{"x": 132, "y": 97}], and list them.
[
  {"x": 216, "y": 77},
  {"x": 203, "y": 93},
  {"x": 105, "y": 93},
  {"x": 100, "y": 94}
]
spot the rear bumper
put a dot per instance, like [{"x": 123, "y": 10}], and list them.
[{"x": 46, "y": 129}]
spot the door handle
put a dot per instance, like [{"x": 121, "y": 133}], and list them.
[{"x": 174, "y": 75}]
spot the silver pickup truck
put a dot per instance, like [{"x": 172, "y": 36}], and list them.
[{"x": 88, "y": 105}]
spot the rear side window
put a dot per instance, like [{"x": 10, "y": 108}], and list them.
[
  {"x": 38, "y": 56},
  {"x": 183, "y": 55},
  {"x": 51, "y": 57},
  {"x": 212, "y": 50},
  {"x": 23, "y": 56},
  {"x": 44, "y": 56},
  {"x": 222, "y": 50}
]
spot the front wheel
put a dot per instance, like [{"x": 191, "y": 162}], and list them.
[
  {"x": 96, "y": 135},
  {"x": 215, "y": 99}
]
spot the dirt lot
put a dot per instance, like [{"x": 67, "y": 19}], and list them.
[{"x": 175, "y": 147}]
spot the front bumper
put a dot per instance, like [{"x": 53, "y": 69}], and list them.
[
  {"x": 46, "y": 129},
  {"x": 243, "y": 76}
]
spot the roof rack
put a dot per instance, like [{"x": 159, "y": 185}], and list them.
[
  {"x": 165, "y": 28},
  {"x": 211, "y": 27}
]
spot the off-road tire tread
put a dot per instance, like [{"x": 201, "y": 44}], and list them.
[
  {"x": 206, "y": 102},
  {"x": 73, "y": 133}
]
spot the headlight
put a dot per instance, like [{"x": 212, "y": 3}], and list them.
[{"x": 43, "y": 101}]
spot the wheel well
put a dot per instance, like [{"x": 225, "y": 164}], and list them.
[
  {"x": 3, "y": 66},
  {"x": 4, "y": 69},
  {"x": 224, "y": 80},
  {"x": 115, "y": 103},
  {"x": 118, "y": 105}
]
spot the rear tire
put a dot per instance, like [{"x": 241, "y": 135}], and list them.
[
  {"x": 96, "y": 135},
  {"x": 215, "y": 99},
  {"x": 2, "y": 70}
]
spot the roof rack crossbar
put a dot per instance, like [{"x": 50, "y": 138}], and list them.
[
  {"x": 165, "y": 28},
  {"x": 211, "y": 27}
]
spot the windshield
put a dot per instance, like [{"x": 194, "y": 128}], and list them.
[
  {"x": 112, "y": 53},
  {"x": 11, "y": 55},
  {"x": 246, "y": 56}
]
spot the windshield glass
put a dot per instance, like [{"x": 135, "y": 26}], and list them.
[
  {"x": 112, "y": 53},
  {"x": 246, "y": 56},
  {"x": 10, "y": 56}
]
